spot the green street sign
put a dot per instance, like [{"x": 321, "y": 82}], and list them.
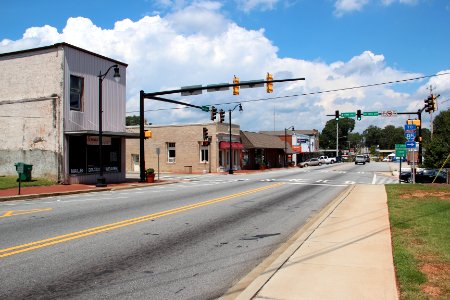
[
  {"x": 400, "y": 150},
  {"x": 205, "y": 108},
  {"x": 348, "y": 115},
  {"x": 370, "y": 113}
]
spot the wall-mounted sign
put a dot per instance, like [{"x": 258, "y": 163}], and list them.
[{"x": 92, "y": 140}]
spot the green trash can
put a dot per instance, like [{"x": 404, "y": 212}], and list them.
[{"x": 24, "y": 171}]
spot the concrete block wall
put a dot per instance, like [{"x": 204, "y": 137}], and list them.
[{"x": 31, "y": 90}]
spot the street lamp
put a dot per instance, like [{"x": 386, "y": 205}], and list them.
[
  {"x": 101, "y": 182},
  {"x": 285, "y": 145},
  {"x": 230, "y": 170}
]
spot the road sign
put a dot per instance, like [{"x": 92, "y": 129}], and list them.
[
  {"x": 410, "y": 127},
  {"x": 410, "y": 145},
  {"x": 370, "y": 114},
  {"x": 389, "y": 113},
  {"x": 400, "y": 150},
  {"x": 348, "y": 115},
  {"x": 410, "y": 136}
]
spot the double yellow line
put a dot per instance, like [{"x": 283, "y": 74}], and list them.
[{"x": 94, "y": 230}]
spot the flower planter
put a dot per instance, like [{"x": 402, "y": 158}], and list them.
[{"x": 150, "y": 178}]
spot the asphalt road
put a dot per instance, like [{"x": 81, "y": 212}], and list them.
[{"x": 189, "y": 240}]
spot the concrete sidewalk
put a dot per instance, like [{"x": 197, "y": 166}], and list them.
[{"x": 345, "y": 253}]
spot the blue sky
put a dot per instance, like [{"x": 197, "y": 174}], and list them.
[{"x": 333, "y": 43}]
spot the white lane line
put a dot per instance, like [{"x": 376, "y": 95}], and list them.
[
  {"x": 324, "y": 184},
  {"x": 374, "y": 180}
]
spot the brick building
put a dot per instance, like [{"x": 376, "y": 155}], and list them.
[{"x": 181, "y": 148}]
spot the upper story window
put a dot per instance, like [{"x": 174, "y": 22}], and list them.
[
  {"x": 76, "y": 92},
  {"x": 171, "y": 152}
]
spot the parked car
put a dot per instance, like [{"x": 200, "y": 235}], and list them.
[
  {"x": 360, "y": 159},
  {"x": 327, "y": 160},
  {"x": 424, "y": 176},
  {"x": 310, "y": 162}
]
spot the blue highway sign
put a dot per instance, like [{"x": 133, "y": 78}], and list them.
[{"x": 410, "y": 145}]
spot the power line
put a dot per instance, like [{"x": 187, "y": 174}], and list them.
[{"x": 308, "y": 94}]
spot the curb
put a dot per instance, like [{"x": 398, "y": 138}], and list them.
[
  {"x": 249, "y": 286},
  {"x": 95, "y": 190}
]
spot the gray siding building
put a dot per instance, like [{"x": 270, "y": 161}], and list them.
[{"x": 49, "y": 114}]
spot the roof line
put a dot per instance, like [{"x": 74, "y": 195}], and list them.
[{"x": 63, "y": 44}]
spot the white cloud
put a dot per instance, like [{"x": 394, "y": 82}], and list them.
[
  {"x": 249, "y": 5},
  {"x": 345, "y": 6},
  {"x": 173, "y": 51}
]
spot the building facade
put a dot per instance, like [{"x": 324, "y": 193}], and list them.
[
  {"x": 182, "y": 149},
  {"x": 49, "y": 113},
  {"x": 304, "y": 143}
]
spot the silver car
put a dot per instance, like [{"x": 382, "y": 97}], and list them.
[
  {"x": 310, "y": 162},
  {"x": 360, "y": 159}
]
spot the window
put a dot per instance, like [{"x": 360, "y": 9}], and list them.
[
  {"x": 171, "y": 152},
  {"x": 76, "y": 92},
  {"x": 204, "y": 154}
]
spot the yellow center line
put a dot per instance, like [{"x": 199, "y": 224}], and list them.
[
  {"x": 94, "y": 230},
  {"x": 13, "y": 213}
]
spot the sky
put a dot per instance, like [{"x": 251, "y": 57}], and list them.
[{"x": 336, "y": 45}]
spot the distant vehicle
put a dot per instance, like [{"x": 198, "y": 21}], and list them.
[
  {"x": 310, "y": 162},
  {"x": 327, "y": 160},
  {"x": 360, "y": 159},
  {"x": 339, "y": 159},
  {"x": 367, "y": 157}
]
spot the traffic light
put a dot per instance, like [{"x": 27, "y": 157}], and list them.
[
  {"x": 213, "y": 113},
  {"x": 222, "y": 115},
  {"x": 358, "y": 115},
  {"x": 205, "y": 133},
  {"x": 235, "y": 88},
  {"x": 269, "y": 85},
  {"x": 336, "y": 115},
  {"x": 433, "y": 102},
  {"x": 429, "y": 104},
  {"x": 147, "y": 134},
  {"x": 415, "y": 122},
  {"x": 418, "y": 139}
]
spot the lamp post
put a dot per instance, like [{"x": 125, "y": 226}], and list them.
[
  {"x": 285, "y": 145},
  {"x": 101, "y": 182},
  {"x": 230, "y": 171}
]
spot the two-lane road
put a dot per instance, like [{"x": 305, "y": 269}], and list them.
[{"x": 193, "y": 239}]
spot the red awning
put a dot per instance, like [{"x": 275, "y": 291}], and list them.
[{"x": 234, "y": 145}]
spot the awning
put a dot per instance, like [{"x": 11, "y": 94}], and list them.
[{"x": 234, "y": 145}]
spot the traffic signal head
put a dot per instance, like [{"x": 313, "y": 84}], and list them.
[
  {"x": 205, "y": 133},
  {"x": 147, "y": 134},
  {"x": 235, "y": 88},
  {"x": 358, "y": 115},
  {"x": 433, "y": 103},
  {"x": 213, "y": 113},
  {"x": 222, "y": 115},
  {"x": 269, "y": 85},
  {"x": 336, "y": 115},
  {"x": 429, "y": 104}
]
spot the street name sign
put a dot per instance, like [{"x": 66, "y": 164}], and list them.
[
  {"x": 348, "y": 115},
  {"x": 370, "y": 114}
]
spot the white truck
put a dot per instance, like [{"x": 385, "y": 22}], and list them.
[{"x": 327, "y": 160}]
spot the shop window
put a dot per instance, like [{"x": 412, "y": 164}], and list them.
[
  {"x": 170, "y": 152},
  {"x": 76, "y": 92}
]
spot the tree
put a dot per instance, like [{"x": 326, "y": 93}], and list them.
[
  {"x": 438, "y": 149},
  {"x": 373, "y": 135},
  {"x": 134, "y": 121},
  {"x": 390, "y": 136},
  {"x": 328, "y": 135}
]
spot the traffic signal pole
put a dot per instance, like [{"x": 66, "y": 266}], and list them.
[{"x": 192, "y": 91}]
